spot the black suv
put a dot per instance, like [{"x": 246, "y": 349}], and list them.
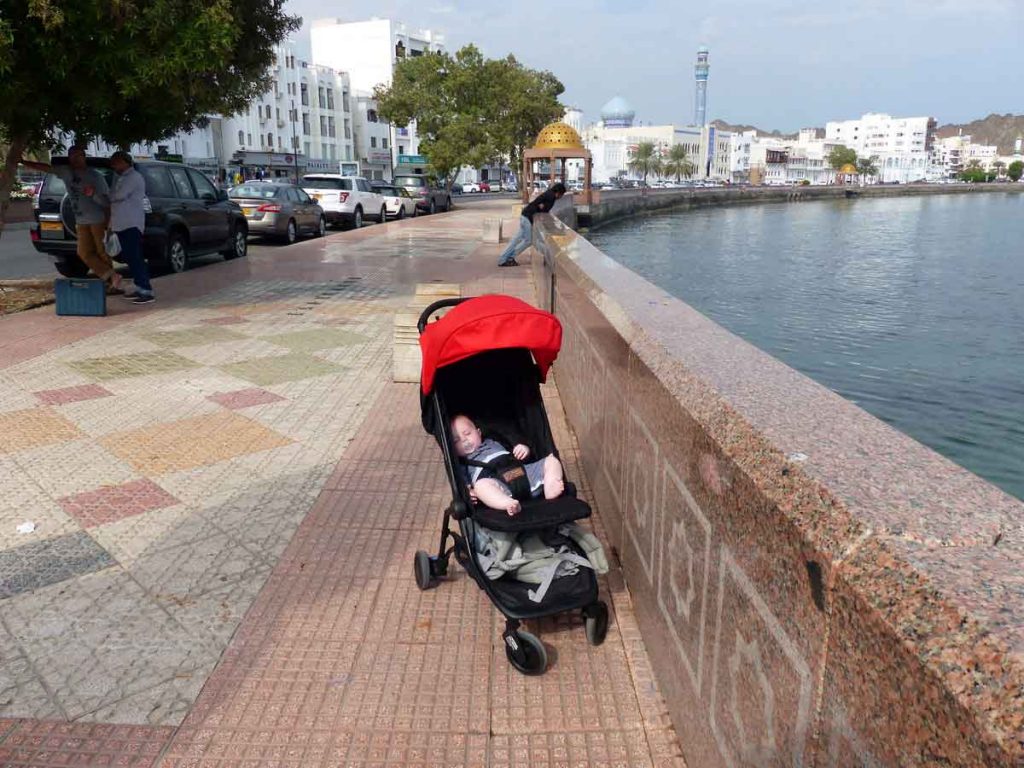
[{"x": 186, "y": 216}]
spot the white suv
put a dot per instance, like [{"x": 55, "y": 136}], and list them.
[{"x": 345, "y": 199}]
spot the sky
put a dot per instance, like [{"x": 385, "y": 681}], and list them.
[{"x": 782, "y": 64}]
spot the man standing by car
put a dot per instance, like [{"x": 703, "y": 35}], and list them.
[
  {"x": 541, "y": 204},
  {"x": 89, "y": 198},
  {"x": 128, "y": 221}
]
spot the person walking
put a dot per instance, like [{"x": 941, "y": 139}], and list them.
[
  {"x": 541, "y": 204},
  {"x": 128, "y": 221},
  {"x": 89, "y": 198}
]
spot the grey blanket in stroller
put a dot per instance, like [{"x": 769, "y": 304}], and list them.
[{"x": 526, "y": 557}]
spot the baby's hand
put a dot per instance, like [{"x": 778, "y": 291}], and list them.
[
  {"x": 513, "y": 507},
  {"x": 520, "y": 451}
]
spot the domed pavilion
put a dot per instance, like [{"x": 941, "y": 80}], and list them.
[{"x": 556, "y": 143}]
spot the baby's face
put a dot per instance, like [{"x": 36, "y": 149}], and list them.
[{"x": 466, "y": 436}]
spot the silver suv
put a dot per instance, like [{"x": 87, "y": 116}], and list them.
[{"x": 345, "y": 199}]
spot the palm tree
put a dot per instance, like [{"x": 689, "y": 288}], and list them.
[
  {"x": 867, "y": 166},
  {"x": 678, "y": 163},
  {"x": 645, "y": 159}
]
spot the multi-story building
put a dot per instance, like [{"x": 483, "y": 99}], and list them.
[
  {"x": 368, "y": 51},
  {"x": 954, "y": 154},
  {"x": 372, "y": 139},
  {"x": 740, "y": 145},
  {"x": 902, "y": 146}
]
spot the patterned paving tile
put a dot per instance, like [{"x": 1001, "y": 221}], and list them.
[
  {"x": 99, "y": 639},
  {"x": 165, "y": 704},
  {"x": 140, "y": 364},
  {"x": 63, "y": 469},
  {"x": 40, "y": 743},
  {"x": 228, "y": 353},
  {"x": 245, "y": 398},
  {"x": 72, "y": 394},
  {"x": 21, "y": 687},
  {"x": 23, "y": 501},
  {"x": 115, "y": 502},
  {"x": 622, "y": 749},
  {"x": 129, "y": 539},
  {"x": 275, "y": 370},
  {"x": 190, "y": 337},
  {"x": 317, "y": 338},
  {"x": 32, "y": 566},
  {"x": 30, "y": 428},
  {"x": 191, "y": 442}
]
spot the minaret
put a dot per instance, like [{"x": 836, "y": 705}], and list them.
[{"x": 700, "y": 70}]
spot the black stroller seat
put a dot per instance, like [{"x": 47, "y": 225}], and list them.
[{"x": 487, "y": 359}]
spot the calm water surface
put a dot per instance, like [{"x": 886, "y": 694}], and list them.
[{"x": 913, "y": 308}]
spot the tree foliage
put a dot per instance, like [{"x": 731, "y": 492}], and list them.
[
  {"x": 128, "y": 70},
  {"x": 645, "y": 159},
  {"x": 840, "y": 156},
  {"x": 1015, "y": 170},
  {"x": 678, "y": 162},
  {"x": 470, "y": 110},
  {"x": 867, "y": 166}
]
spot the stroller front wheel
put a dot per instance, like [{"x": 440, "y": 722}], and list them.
[
  {"x": 526, "y": 652},
  {"x": 595, "y": 622},
  {"x": 423, "y": 570}
]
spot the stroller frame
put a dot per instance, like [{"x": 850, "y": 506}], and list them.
[{"x": 524, "y": 651}]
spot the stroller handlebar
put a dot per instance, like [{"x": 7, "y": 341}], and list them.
[{"x": 425, "y": 317}]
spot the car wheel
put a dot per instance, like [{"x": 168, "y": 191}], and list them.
[
  {"x": 71, "y": 267},
  {"x": 401, "y": 212},
  {"x": 177, "y": 253},
  {"x": 357, "y": 220},
  {"x": 321, "y": 227},
  {"x": 383, "y": 214},
  {"x": 239, "y": 244},
  {"x": 433, "y": 206},
  {"x": 291, "y": 232}
]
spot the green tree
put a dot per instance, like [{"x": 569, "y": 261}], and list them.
[
  {"x": 678, "y": 162},
  {"x": 645, "y": 160},
  {"x": 127, "y": 70},
  {"x": 867, "y": 166},
  {"x": 1015, "y": 170},
  {"x": 840, "y": 156}
]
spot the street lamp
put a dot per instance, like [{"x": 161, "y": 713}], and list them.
[{"x": 295, "y": 143}]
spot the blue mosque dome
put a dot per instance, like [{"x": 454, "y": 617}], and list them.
[{"x": 617, "y": 113}]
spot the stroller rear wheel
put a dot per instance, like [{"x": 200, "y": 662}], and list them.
[
  {"x": 423, "y": 569},
  {"x": 595, "y": 622},
  {"x": 526, "y": 652}
]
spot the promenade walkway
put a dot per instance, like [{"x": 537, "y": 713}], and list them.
[{"x": 208, "y": 510}]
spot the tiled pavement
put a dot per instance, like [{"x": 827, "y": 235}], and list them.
[{"x": 224, "y": 494}]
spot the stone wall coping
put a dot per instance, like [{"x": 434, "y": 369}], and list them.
[{"x": 935, "y": 550}]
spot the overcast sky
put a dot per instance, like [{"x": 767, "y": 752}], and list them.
[{"x": 774, "y": 63}]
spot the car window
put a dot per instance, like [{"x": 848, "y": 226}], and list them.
[
  {"x": 315, "y": 183},
  {"x": 411, "y": 181},
  {"x": 303, "y": 197},
  {"x": 203, "y": 186},
  {"x": 181, "y": 183},
  {"x": 403, "y": 192},
  {"x": 263, "y": 191},
  {"x": 158, "y": 183},
  {"x": 364, "y": 185},
  {"x": 290, "y": 194}
]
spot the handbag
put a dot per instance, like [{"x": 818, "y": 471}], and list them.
[{"x": 112, "y": 244}]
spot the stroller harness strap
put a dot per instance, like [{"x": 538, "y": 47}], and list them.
[{"x": 508, "y": 469}]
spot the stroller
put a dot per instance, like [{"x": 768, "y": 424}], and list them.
[{"x": 487, "y": 358}]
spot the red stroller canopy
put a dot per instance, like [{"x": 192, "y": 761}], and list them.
[{"x": 484, "y": 323}]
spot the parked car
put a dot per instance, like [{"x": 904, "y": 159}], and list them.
[
  {"x": 484, "y": 186},
  {"x": 280, "y": 210},
  {"x": 430, "y": 196},
  {"x": 186, "y": 216},
  {"x": 345, "y": 199},
  {"x": 397, "y": 199},
  {"x": 470, "y": 187}
]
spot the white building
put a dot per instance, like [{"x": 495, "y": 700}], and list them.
[
  {"x": 902, "y": 145},
  {"x": 372, "y": 140},
  {"x": 574, "y": 117},
  {"x": 368, "y": 51}
]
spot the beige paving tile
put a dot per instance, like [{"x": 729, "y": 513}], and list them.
[
  {"x": 313, "y": 339},
  {"x": 140, "y": 408},
  {"x": 274, "y": 370},
  {"x": 34, "y": 427},
  {"x": 226, "y": 353},
  {"x": 22, "y": 693},
  {"x": 129, "y": 539},
  {"x": 192, "y": 442},
  {"x": 138, "y": 364},
  {"x": 166, "y": 703},
  {"x": 21, "y": 501},
  {"x": 63, "y": 469},
  {"x": 42, "y": 373},
  {"x": 14, "y": 397},
  {"x": 193, "y": 336}
]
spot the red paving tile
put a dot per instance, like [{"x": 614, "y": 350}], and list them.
[
  {"x": 75, "y": 394},
  {"x": 116, "y": 502},
  {"x": 244, "y": 398},
  {"x": 52, "y": 744}
]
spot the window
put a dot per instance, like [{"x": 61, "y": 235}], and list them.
[
  {"x": 158, "y": 183},
  {"x": 332, "y": 148},
  {"x": 181, "y": 183},
  {"x": 305, "y": 95},
  {"x": 202, "y": 184},
  {"x": 279, "y": 141},
  {"x": 348, "y": 129},
  {"x": 270, "y": 140},
  {"x": 344, "y": 101},
  {"x": 241, "y": 138},
  {"x": 305, "y": 123},
  {"x": 323, "y": 98},
  {"x": 295, "y": 143},
  {"x": 384, "y": 143},
  {"x": 371, "y": 115},
  {"x": 323, "y": 150},
  {"x": 248, "y": 142},
  {"x": 312, "y": 182},
  {"x": 307, "y": 148},
  {"x": 278, "y": 113},
  {"x": 330, "y": 98},
  {"x": 348, "y": 152},
  {"x": 323, "y": 125},
  {"x": 373, "y": 142},
  {"x": 400, "y": 50},
  {"x": 303, "y": 197},
  {"x": 330, "y": 127},
  {"x": 416, "y": 53},
  {"x": 401, "y": 149}
]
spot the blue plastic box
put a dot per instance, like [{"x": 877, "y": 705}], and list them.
[{"x": 81, "y": 297}]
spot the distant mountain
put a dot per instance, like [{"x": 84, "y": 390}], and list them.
[
  {"x": 724, "y": 126},
  {"x": 1001, "y": 130}
]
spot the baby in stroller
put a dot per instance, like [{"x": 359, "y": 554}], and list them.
[{"x": 498, "y": 477}]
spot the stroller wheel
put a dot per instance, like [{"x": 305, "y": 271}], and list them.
[
  {"x": 595, "y": 622},
  {"x": 526, "y": 652},
  {"x": 423, "y": 570}
]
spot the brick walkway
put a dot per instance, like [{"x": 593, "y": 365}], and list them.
[{"x": 226, "y": 493}]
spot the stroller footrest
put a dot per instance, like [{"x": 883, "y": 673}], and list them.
[{"x": 536, "y": 513}]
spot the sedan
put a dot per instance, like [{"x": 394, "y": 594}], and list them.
[
  {"x": 484, "y": 186},
  {"x": 279, "y": 210},
  {"x": 397, "y": 200},
  {"x": 470, "y": 186}
]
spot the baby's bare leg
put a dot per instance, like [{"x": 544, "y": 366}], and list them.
[
  {"x": 554, "y": 483},
  {"x": 492, "y": 494}
]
